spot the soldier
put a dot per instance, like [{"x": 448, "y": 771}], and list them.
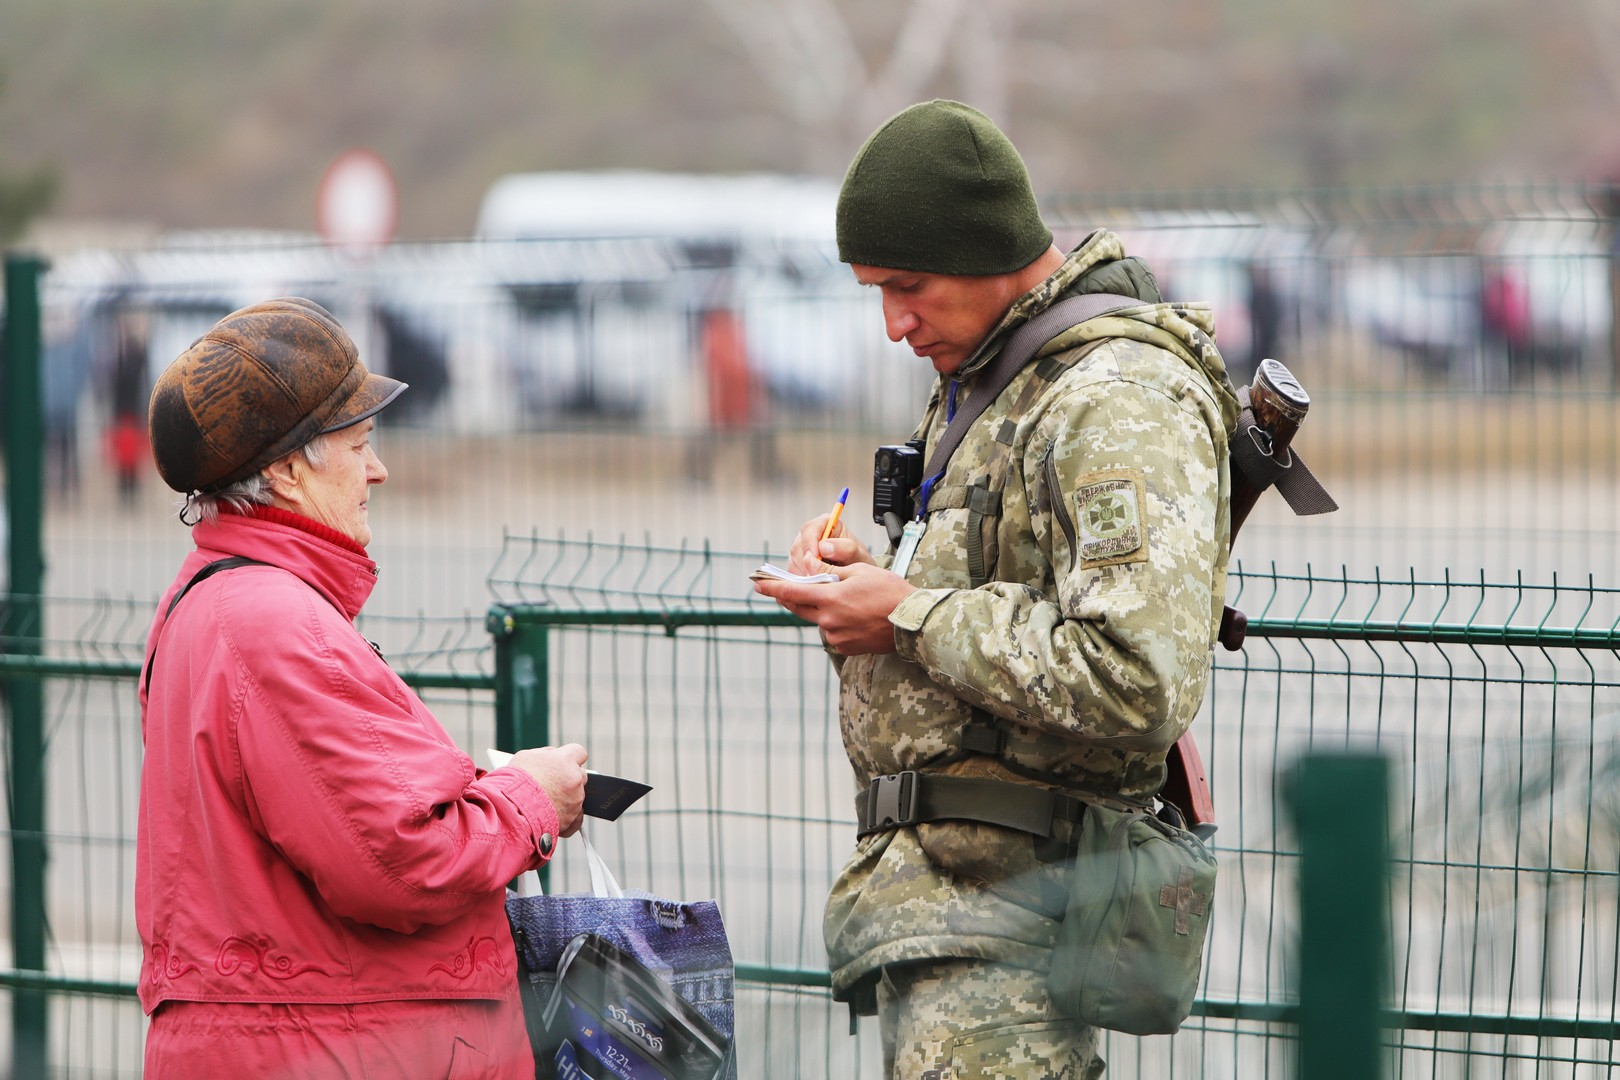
[{"x": 1044, "y": 623}]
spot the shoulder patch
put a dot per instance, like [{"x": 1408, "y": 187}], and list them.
[{"x": 1108, "y": 509}]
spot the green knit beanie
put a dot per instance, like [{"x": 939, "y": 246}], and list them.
[{"x": 940, "y": 189}]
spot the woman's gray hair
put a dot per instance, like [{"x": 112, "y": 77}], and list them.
[{"x": 242, "y": 496}]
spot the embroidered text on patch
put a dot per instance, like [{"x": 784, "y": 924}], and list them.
[{"x": 1110, "y": 519}]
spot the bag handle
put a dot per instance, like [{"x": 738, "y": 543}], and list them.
[{"x": 603, "y": 883}]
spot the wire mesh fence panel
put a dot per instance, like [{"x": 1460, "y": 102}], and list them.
[
  {"x": 1495, "y": 702},
  {"x": 666, "y": 667},
  {"x": 750, "y": 805},
  {"x": 1497, "y": 705}
]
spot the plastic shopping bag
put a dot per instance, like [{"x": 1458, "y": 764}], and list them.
[{"x": 624, "y": 984}]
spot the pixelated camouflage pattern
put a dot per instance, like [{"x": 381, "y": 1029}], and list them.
[
  {"x": 966, "y": 1020},
  {"x": 1092, "y": 669}
]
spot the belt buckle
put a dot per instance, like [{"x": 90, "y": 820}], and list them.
[{"x": 891, "y": 801}]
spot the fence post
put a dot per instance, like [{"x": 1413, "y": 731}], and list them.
[
  {"x": 522, "y": 679},
  {"x": 1340, "y": 805},
  {"x": 522, "y": 685},
  {"x": 20, "y": 627}
]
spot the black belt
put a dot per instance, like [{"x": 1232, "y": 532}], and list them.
[{"x": 910, "y": 798}]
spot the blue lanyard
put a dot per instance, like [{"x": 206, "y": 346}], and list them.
[{"x": 927, "y": 488}]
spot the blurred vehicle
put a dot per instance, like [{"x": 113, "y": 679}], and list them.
[
  {"x": 1425, "y": 307},
  {"x": 760, "y": 245}
]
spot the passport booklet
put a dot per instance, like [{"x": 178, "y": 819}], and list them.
[{"x": 606, "y": 796}]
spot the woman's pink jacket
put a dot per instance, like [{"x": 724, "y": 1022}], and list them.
[{"x": 308, "y": 830}]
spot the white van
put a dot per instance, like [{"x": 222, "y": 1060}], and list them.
[{"x": 761, "y": 245}]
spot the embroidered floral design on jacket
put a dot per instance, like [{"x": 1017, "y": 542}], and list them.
[
  {"x": 166, "y": 964},
  {"x": 480, "y": 953},
  {"x": 248, "y": 956}
]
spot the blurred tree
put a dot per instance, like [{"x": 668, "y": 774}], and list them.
[
  {"x": 1604, "y": 15},
  {"x": 806, "y": 51},
  {"x": 1325, "y": 79},
  {"x": 24, "y": 196}
]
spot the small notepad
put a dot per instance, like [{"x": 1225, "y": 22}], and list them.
[{"x": 772, "y": 572}]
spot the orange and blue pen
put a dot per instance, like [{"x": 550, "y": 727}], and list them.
[{"x": 838, "y": 512}]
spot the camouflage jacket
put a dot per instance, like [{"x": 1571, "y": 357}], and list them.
[{"x": 1089, "y": 647}]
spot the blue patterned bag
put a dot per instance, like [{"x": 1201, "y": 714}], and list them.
[{"x": 624, "y": 984}]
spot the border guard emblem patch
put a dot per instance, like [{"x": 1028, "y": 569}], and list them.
[{"x": 1110, "y": 519}]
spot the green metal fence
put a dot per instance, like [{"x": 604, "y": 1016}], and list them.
[{"x": 1492, "y": 706}]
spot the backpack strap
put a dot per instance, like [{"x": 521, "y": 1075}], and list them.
[
  {"x": 1019, "y": 806},
  {"x": 1019, "y": 350},
  {"x": 200, "y": 576},
  {"x": 982, "y": 497}
]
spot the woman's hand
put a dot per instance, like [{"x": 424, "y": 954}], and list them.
[{"x": 560, "y": 772}]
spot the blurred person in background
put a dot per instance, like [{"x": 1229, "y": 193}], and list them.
[
  {"x": 738, "y": 399},
  {"x": 1050, "y": 635},
  {"x": 1504, "y": 317},
  {"x": 1608, "y": 202},
  {"x": 1265, "y": 320},
  {"x": 320, "y": 870},
  {"x": 125, "y": 439},
  {"x": 75, "y": 340}
]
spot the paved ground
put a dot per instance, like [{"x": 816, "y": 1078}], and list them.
[{"x": 1435, "y": 485}]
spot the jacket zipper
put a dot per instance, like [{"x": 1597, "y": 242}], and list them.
[{"x": 1060, "y": 507}]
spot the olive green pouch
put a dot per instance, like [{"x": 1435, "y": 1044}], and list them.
[{"x": 1132, "y": 939}]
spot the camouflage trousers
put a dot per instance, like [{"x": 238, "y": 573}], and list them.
[{"x": 966, "y": 1019}]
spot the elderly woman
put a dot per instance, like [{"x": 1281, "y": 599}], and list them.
[{"x": 320, "y": 871}]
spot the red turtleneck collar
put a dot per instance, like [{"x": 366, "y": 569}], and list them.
[{"x": 278, "y": 516}]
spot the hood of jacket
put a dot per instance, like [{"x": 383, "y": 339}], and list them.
[{"x": 1099, "y": 264}]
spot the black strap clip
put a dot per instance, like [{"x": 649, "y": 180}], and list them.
[
  {"x": 891, "y": 803},
  {"x": 982, "y": 736}
]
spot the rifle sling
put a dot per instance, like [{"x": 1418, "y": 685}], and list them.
[
  {"x": 1304, "y": 494},
  {"x": 1020, "y": 349}
]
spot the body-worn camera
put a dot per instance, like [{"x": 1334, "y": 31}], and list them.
[{"x": 896, "y": 473}]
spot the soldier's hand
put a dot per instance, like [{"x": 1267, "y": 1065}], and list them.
[
  {"x": 560, "y": 772},
  {"x": 853, "y": 613},
  {"x": 812, "y": 555}
]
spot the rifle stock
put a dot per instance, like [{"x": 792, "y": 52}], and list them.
[{"x": 1278, "y": 404}]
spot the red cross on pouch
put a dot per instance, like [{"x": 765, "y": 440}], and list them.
[{"x": 1184, "y": 899}]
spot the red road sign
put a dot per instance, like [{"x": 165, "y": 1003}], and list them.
[{"x": 357, "y": 205}]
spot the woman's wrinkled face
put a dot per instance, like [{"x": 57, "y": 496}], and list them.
[{"x": 335, "y": 493}]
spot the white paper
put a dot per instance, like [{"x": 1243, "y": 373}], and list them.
[{"x": 772, "y": 571}]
